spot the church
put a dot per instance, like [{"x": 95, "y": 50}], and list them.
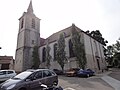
[{"x": 29, "y": 36}]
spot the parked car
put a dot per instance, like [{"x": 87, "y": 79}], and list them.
[
  {"x": 58, "y": 72},
  {"x": 86, "y": 73},
  {"x": 72, "y": 72},
  {"x": 6, "y": 74},
  {"x": 30, "y": 80}
]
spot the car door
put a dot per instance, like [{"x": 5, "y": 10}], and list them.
[
  {"x": 35, "y": 80},
  {"x": 49, "y": 79}
]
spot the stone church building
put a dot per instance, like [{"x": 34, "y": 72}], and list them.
[{"x": 29, "y": 36}]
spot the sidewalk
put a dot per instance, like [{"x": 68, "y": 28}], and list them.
[
  {"x": 112, "y": 78},
  {"x": 111, "y": 81}
]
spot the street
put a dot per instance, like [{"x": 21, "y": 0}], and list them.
[{"x": 76, "y": 83}]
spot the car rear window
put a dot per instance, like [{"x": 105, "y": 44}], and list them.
[{"x": 10, "y": 72}]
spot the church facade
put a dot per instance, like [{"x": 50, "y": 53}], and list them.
[{"x": 29, "y": 36}]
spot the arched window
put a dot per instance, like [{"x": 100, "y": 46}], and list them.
[
  {"x": 43, "y": 54},
  {"x": 22, "y": 23},
  {"x": 55, "y": 51},
  {"x": 71, "y": 53},
  {"x": 33, "y": 23}
]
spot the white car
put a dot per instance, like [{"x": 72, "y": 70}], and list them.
[{"x": 6, "y": 74}]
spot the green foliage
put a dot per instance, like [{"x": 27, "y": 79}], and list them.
[
  {"x": 60, "y": 53},
  {"x": 116, "y": 60},
  {"x": 78, "y": 48},
  {"x": 113, "y": 54},
  {"x": 48, "y": 56},
  {"x": 116, "y": 46},
  {"x": 116, "y": 57},
  {"x": 36, "y": 60},
  {"x": 109, "y": 54},
  {"x": 97, "y": 36}
]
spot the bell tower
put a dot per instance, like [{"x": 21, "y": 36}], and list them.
[{"x": 28, "y": 37}]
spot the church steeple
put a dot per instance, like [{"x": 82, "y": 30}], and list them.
[
  {"x": 30, "y": 8},
  {"x": 28, "y": 37}
]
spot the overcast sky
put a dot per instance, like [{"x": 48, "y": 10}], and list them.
[{"x": 55, "y": 15}]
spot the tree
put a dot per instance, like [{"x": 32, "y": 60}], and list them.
[
  {"x": 48, "y": 56},
  {"x": 116, "y": 57},
  {"x": 110, "y": 51},
  {"x": 60, "y": 52},
  {"x": 116, "y": 46},
  {"x": 78, "y": 48},
  {"x": 113, "y": 54},
  {"x": 109, "y": 54},
  {"x": 116, "y": 60},
  {"x": 36, "y": 60},
  {"x": 98, "y": 36}
]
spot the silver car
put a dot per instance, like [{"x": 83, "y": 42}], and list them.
[
  {"x": 30, "y": 80},
  {"x": 6, "y": 74}
]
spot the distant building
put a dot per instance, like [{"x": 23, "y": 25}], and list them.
[
  {"x": 6, "y": 62},
  {"x": 29, "y": 36}
]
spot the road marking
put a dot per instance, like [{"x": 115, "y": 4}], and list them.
[{"x": 69, "y": 89}]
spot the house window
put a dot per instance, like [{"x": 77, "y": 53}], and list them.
[
  {"x": 22, "y": 23},
  {"x": 55, "y": 51},
  {"x": 33, "y": 23},
  {"x": 71, "y": 52},
  {"x": 44, "y": 54}
]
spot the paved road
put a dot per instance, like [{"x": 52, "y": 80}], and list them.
[
  {"x": 106, "y": 81},
  {"x": 76, "y": 83}
]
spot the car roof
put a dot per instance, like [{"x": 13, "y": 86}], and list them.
[
  {"x": 7, "y": 70},
  {"x": 34, "y": 70}
]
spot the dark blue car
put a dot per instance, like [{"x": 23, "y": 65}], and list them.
[{"x": 85, "y": 73}]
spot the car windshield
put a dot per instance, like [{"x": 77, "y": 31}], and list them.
[{"x": 22, "y": 75}]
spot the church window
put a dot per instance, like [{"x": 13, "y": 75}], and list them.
[
  {"x": 96, "y": 50},
  {"x": 55, "y": 51},
  {"x": 22, "y": 23},
  {"x": 44, "y": 54},
  {"x": 33, "y": 23},
  {"x": 71, "y": 53}
]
